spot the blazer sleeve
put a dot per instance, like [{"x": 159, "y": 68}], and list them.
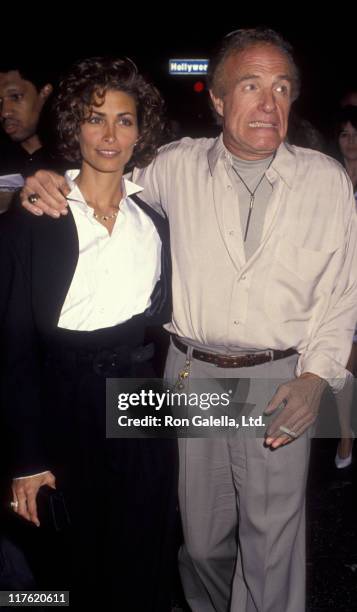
[{"x": 20, "y": 352}]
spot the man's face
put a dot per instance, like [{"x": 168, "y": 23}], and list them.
[
  {"x": 255, "y": 105},
  {"x": 20, "y": 106}
]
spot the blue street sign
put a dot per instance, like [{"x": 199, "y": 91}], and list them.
[{"x": 188, "y": 66}]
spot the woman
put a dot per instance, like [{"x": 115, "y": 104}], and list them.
[
  {"x": 347, "y": 141},
  {"x": 66, "y": 331},
  {"x": 347, "y": 144}
]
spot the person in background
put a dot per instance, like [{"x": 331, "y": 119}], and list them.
[
  {"x": 346, "y": 134},
  {"x": 27, "y": 138},
  {"x": 24, "y": 96},
  {"x": 346, "y": 138}
]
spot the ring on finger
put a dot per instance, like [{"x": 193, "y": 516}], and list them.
[
  {"x": 14, "y": 505},
  {"x": 282, "y": 404},
  {"x": 33, "y": 197},
  {"x": 288, "y": 431}
]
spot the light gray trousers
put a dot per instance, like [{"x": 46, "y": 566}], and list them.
[{"x": 242, "y": 505}]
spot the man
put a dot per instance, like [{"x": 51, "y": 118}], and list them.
[
  {"x": 24, "y": 93},
  {"x": 263, "y": 239}
]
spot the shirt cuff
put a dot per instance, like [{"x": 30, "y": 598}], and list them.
[
  {"x": 325, "y": 367},
  {"x": 32, "y": 475}
]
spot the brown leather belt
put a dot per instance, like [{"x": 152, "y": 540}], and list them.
[{"x": 233, "y": 361}]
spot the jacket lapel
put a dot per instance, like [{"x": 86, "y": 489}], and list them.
[
  {"x": 161, "y": 298},
  {"x": 55, "y": 253}
]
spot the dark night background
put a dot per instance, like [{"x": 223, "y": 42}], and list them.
[{"x": 325, "y": 50}]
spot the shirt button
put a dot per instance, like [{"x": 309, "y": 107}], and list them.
[
  {"x": 229, "y": 187},
  {"x": 244, "y": 277},
  {"x": 236, "y": 322},
  {"x": 231, "y": 232}
]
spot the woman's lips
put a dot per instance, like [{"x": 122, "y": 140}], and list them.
[{"x": 108, "y": 153}]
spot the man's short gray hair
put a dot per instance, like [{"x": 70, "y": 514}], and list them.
[{"x": 240, "y": 40}]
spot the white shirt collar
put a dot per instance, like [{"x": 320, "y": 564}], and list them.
[{"x": 129, "y": 188}]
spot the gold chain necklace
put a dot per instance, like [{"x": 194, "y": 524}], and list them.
[{"x": 106, "y": 217}]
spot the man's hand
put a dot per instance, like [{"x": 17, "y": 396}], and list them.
[
  {"x": 51, "y": 189},
  {"x": 24, "y": 491},
  {"x": 300, "y": 402}
]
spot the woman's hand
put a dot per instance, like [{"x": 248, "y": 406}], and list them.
[{"x": 24, "y": 492}]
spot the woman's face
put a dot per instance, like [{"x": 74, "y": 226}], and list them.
[
  {"x": 108, "y": 136},
  {"x": 347, "y": 141}
]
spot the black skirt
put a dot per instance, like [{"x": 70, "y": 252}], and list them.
[{"x": 121, "y": 494}]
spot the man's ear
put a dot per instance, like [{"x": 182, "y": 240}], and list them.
[
  {"x": 46, "y": 91},
  {"x": 217, "y": 103}
]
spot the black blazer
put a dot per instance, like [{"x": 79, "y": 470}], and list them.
[{"x": 38, "y": 258}]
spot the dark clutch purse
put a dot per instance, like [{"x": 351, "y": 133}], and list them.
[{"x": 52, "y": 510}]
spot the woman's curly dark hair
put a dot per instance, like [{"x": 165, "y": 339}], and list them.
[{"x": 90, "y": 79}]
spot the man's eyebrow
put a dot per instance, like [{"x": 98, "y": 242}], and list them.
[
  {"x": 285, "y": 77},
  {"x": 249, "y": 77}
]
